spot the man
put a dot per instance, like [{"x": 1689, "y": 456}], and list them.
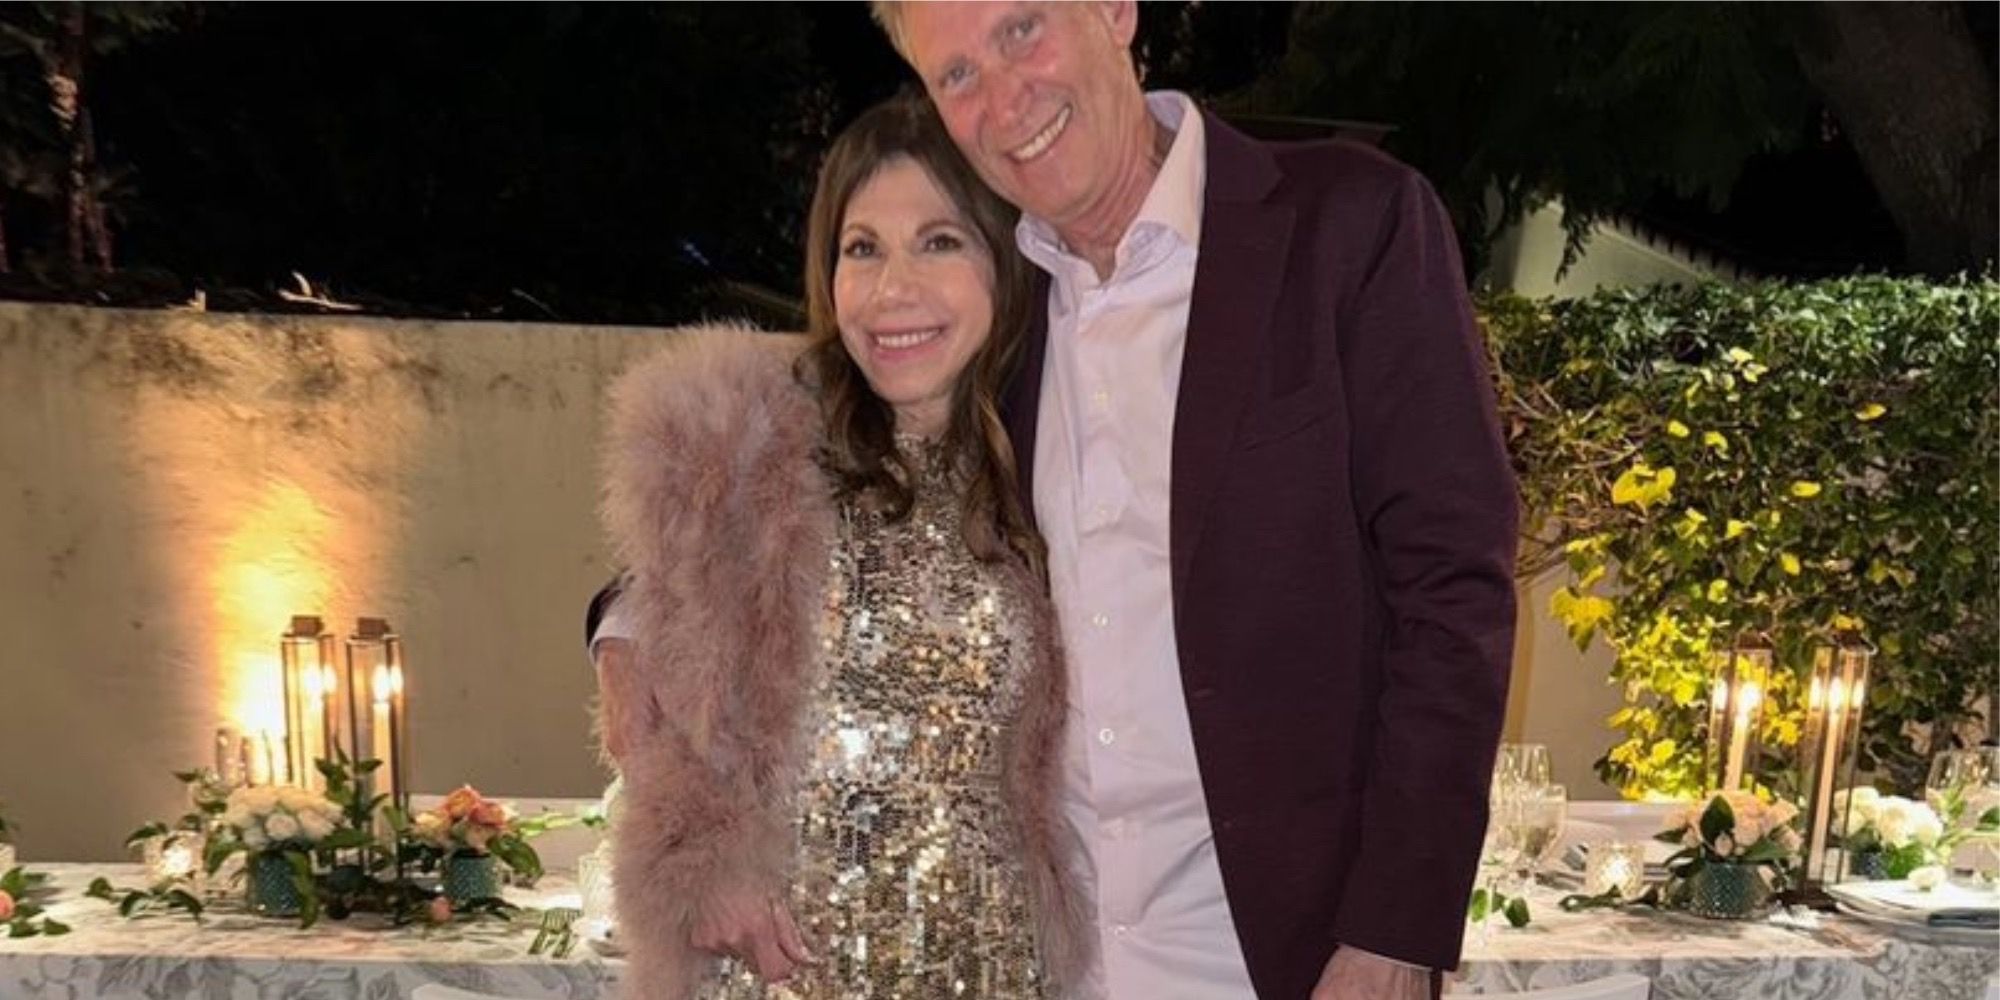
[{"x": 1263, "y": 448}]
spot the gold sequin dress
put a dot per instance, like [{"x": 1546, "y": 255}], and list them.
[{"x": 906, "y": 886}]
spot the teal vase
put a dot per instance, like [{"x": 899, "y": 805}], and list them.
[
  {"x": 469, "y": 876},
  {"x": 1725, "y": 890},
  {"x": 1870, "y": 865},
  {"x": 270, "y": 887}
]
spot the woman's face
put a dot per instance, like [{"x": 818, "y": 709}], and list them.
[{"x": 912, "y": 292}]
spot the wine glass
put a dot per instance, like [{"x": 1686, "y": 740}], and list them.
[
  {"x": 1522, "y": 765},
  {"x": 1964, "y": 786},
  {"x": 1539, "y": 820},
  {"x": 1501, "y": 850}
]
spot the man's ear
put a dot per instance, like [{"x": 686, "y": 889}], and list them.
[{"x": 1122, "y": 18}]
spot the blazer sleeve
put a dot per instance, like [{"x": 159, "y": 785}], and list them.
[{"x": 1438, "y": 508}]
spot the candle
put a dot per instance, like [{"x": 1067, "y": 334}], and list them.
[
  {"x": 1832, "y": 729},
  {"x": 329, "y": 712},
  {"x": 1747, "y": 697},
  {"x": 379, "y": 733},
  {"x": 397, "y": 775}
]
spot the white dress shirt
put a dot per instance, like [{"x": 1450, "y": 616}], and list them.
[{"x": 1102, "y": 459}]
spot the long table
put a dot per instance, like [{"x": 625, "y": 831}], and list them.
[
  {"x": 1691, "y": 958},
  {"x": 233, "y": 955}
]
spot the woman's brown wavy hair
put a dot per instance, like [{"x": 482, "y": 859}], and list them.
[{"x": 860, "y": 451}]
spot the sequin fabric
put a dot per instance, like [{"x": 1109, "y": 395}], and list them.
[{"x": 906, "y": 887}]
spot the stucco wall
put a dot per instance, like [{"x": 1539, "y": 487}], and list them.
[{"x": 173, "y": 486}]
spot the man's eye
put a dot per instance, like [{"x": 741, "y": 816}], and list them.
[
  {"x": 954, "y": 77},
  {"x": 1023, "y": 29}
]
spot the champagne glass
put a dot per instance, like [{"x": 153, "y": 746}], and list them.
[{"x": 1501, "y": 849}]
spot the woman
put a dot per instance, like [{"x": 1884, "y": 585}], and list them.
[{"x": 843, "y": 777}]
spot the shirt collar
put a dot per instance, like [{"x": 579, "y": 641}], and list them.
[{"x": 1173, "y": 203}]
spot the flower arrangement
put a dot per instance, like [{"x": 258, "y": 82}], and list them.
[
  {"x": 1905, "y": 834},
  {"x": 467, "y": 823},
  {"x": 1729, "y": 848},
  {"x": 279, "y": 817},
  {"x": 1732, "y": 828}
]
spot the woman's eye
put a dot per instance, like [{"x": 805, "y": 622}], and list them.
[
  {"x": 943, "y": 242},
  {"x": 857, "y": 249}
]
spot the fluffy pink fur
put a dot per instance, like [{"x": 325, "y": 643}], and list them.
[{"x": 714, "y": 501}]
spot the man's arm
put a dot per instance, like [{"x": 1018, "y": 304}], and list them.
[{"x": 1438, "y": 508}]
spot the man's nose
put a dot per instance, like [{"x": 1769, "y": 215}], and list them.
[{"x": 1007, "y": 97}]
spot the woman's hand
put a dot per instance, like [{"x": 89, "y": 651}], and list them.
[{"x": 755, "y": 929}]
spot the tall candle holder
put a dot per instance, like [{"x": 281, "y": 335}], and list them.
[
  {"x": 375, "y": 706},
  {"x": 1836, "y": 700},
  {"x": 1736, "y": 711},
  {"x": 306, "y": 658}
]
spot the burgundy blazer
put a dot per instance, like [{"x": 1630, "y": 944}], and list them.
[{"x": 1343, "y": 523}]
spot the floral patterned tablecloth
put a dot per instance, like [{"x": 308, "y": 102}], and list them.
[
  {"x": 1689, "y": 958},
  {"x": 233, "y": 955}
]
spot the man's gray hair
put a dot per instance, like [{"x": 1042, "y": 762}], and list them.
[{"x": 889, "y": 16}]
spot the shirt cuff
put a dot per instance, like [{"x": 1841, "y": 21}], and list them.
[{"x": 614, "y": 625}]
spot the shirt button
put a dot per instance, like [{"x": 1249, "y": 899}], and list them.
[
  {"x": 1100, "y": 619},
  {"x": 1121, "y": 930},
  {"x": 1100, "y": 401},
  {"x": 1102, "y": 512},
  {"x": 1106, "y": 736},
  {"x": 1115, "y": 829}
]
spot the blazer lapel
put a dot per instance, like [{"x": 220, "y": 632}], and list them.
[{"x": 1244, "y": 241}]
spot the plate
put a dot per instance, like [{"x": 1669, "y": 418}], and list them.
[{"x": 1902, "y": 906}]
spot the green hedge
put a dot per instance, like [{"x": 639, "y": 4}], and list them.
[{"x": 1790, "y": 458}]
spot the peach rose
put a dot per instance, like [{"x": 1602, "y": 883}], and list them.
[
  {"x": 490, "y": 813},
  {"x": 6, "y": 906},
  {"x": 462, "y": 802},
  {"x": 440, "y": 910}
]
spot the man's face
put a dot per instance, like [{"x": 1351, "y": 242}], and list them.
[{"x": 1041, "y": 97}]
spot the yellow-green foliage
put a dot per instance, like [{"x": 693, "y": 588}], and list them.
[{"x": 1789, "y": 458}]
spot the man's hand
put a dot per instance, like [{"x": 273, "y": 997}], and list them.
[
  {"x": 757, "y": 930},
  {"x": 1353, "y": 974}
]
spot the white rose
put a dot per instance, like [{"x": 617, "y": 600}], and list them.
[
  {"x": 1781, "y": 813},
  {"x": 1725, "y": 845},
  {"x": 1925, "y": 826},
  {"x": 1927, "y": 878},
  {"x": 1867, "y": 803},
  {"x": 1749, "y": 828},
  {"x": 316, "y": 826},
  {"x": 1894, "y": 823},
  {"x": 281, "y": 826},
  {"x": 253, "y": 837}
]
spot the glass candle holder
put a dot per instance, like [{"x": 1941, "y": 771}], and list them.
[
  {"x": 1619, "y": 866},
  {"x": 593, "y": 876},
  {"x": 175, "y": 857},
  {"x": 6, "y": 857}
]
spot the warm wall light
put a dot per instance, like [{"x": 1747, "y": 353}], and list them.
[{"x": 1736, "y": 710}]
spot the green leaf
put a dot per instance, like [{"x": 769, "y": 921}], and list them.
[
  {"x": 54, "y": 928},
  {"x": 1481, "y": 905},
  {"x": 100, "y": 888},
  {"x": 1517, "y": 912},
  {"x": 1717, "y": 819}
]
